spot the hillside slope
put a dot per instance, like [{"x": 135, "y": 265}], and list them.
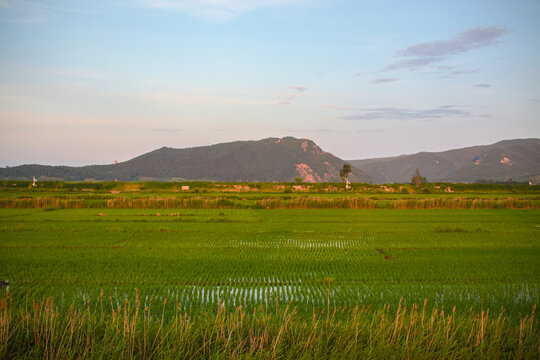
[
  {"x": 509, "y": 159},
  {"x": 269, "y": 159}
]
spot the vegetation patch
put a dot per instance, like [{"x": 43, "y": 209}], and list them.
[{"x": 309, "y": 258}]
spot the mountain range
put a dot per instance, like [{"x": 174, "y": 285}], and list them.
[
  {"x": 284, "y": 159},
  {"x": 271, "y": 159},
  {"x": 509, "y": 159}
]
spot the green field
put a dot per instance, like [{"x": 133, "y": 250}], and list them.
[
  {"x": 312, "y": 260},
  {"x": 479, "y": 258}
]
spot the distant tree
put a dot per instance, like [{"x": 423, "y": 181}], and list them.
[
  {"x": 417, "y": 179},
  {"x": 298, "y": 179},
  {"x": 344, "y": 173}
]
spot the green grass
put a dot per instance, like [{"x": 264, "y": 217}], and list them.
[
  {"x": 136, "y": 331},
  {"x": 312, "y": 258},
  {"x": 147, "y": 279}
]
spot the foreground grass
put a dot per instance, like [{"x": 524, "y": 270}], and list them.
[{"x": 131, "y": 330}]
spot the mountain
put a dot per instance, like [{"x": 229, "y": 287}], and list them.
[
  {"x": 269, "y": 159},
  {"x": 509, "y": 159}
]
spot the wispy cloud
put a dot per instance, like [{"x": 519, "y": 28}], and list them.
[
  {"x": 336, "y": 107},
  {"x": 207, "y": 10},
  {"x": 486, "y": 86},
  {"x": 216, "y": 10},
  {"x": 288, "y": 98},
  {"x": 31, "y": 11},
  {"x": 390, "y": 113},
  {"x": 413, "y": 63},
  {"x": 455, "y": 73},
  {"x": 535, "y": 100},
  {"x": 299, "y": 88},
  {"x": 431, "y": 52},
  {"x": 383, "y": 80},
  {"x": 358, "y": 74},
  {"x": 462, "y": 42}
]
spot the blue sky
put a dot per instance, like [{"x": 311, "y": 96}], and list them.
[{"x": 90, "y": 82}]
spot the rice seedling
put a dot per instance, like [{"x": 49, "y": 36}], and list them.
[{"x": 130, "y": 276}]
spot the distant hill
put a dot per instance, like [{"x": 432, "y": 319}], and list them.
[
  {"x": 509, "y": 159},
  {"x": 270, "y": 159}
]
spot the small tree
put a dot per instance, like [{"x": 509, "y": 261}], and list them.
[
  {"x": 417, "y": 179},
  {"x": 344, "y": 173},
  {"x": 298, "y": 179}
]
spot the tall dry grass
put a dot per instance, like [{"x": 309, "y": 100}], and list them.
[
  {"x": 299, "y": 202},
  {"x": 130, "y": 330},
  {"x": 311, "y": 202},
  {"x": 465, "y": 203}
]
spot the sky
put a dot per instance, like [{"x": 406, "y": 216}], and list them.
[{"x": 95, "y": 81}]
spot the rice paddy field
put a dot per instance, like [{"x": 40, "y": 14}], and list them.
[{"x": 233, "y": 278}]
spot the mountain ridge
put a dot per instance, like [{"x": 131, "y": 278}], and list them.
[
  {"x": 271, "y": 159},
  {"x": 517, "y": 159},
  {"x": 283, "y": 159}
]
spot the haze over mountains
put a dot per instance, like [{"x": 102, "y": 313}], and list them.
[{"x": 275, "y": 159}]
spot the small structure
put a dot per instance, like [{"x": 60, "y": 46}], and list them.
[{"x": 185, "y": 187}]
